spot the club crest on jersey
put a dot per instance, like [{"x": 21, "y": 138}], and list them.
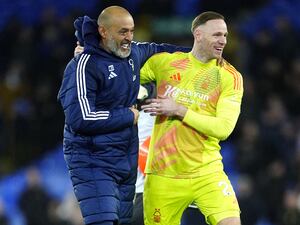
[
  {"x": 112, "y": 74},
  {"x": 156, "y": 215},
  {"x": 130, "y": 61}
]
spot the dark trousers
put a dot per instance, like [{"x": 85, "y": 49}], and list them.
[
  {"x": 138, "y": 216},
  {"x": 192, "y": 216}
]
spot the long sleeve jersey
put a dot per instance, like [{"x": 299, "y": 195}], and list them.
[{"x": 190, "y": 147}]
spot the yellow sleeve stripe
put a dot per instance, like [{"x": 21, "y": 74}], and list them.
[{"x": 236, "y": 77}]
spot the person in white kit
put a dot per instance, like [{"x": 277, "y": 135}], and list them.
[{"x": 145, "y": 126}]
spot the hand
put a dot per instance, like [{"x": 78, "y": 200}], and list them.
[
  {"x": 136, "y": 114},
  {"x": 164, "y": 106},
  {"x": 79, "y": 49}
]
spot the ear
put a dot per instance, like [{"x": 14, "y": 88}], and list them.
[
  {"x": 197, "y": 34},
  {"x": 102, "y": 31}
]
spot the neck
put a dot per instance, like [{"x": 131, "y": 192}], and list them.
[
  {"x": 102, "y": 45},
  {"x": 199, "y": 56}
]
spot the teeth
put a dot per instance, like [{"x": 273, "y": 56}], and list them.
[{"x": 125, "y": 45}]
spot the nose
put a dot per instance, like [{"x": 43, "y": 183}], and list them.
[
  {"x": 223, "y": 40},
  {"x": 129, "y": 36}
]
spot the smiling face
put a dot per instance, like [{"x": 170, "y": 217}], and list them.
[
  {"x": 210, "y": 39},
  {"x": 117, "y": 32}
]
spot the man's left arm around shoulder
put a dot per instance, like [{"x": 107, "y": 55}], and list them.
[{"x": 146, "y": 49}]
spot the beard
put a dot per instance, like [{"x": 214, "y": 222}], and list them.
[{"x": 113, "y": 47}]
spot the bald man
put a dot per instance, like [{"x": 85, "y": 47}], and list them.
[{"x": 98, "y": 95}]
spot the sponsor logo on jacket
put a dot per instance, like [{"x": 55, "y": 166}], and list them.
[{"x": 112, "y": 74}]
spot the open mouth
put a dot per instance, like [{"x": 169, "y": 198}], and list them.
[
  {"x": 219, "y": 50},
  {"x": 126, "y": 46}
]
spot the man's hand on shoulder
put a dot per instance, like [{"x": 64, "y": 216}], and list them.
[{"x": 79, "y": 49}]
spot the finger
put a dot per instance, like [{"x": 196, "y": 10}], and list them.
[
  {"x": 152, "y": 100},
  {"x": 152, "y": 105},
  {"x": 146, "y": 106},
  {"x": 151, "y": 110}
]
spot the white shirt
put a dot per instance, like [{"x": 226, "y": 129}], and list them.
[{"x": 145, "y": 125}]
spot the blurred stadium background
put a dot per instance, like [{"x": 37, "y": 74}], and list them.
[{"x": 262, "y": 156}]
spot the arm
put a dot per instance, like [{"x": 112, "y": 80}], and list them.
[
  {"x": 78, "y": 98},
  {"x": 227, "y": 110},
  {"x": 146, "y": 50},
  {"x": 219, "y": 126}
]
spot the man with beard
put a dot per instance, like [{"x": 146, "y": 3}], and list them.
[{"x": 98, "y": 95}]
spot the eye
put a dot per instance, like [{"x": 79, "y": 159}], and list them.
[
  {"x": 123, "y": 31},
  {"x": 218, "y": 34}
]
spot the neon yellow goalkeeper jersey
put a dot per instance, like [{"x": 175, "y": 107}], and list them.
[{"x": 190, "y": 147}]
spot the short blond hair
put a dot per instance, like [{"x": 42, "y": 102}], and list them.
[{"x": 204, "y": 17}]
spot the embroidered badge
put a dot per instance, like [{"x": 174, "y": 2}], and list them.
[{"x": 156, "y": 216}]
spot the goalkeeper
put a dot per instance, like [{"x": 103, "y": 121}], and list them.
[{"x": 198, "y": 105}]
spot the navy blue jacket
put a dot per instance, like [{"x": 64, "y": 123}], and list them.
[{"x": 98, "y": 87}]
